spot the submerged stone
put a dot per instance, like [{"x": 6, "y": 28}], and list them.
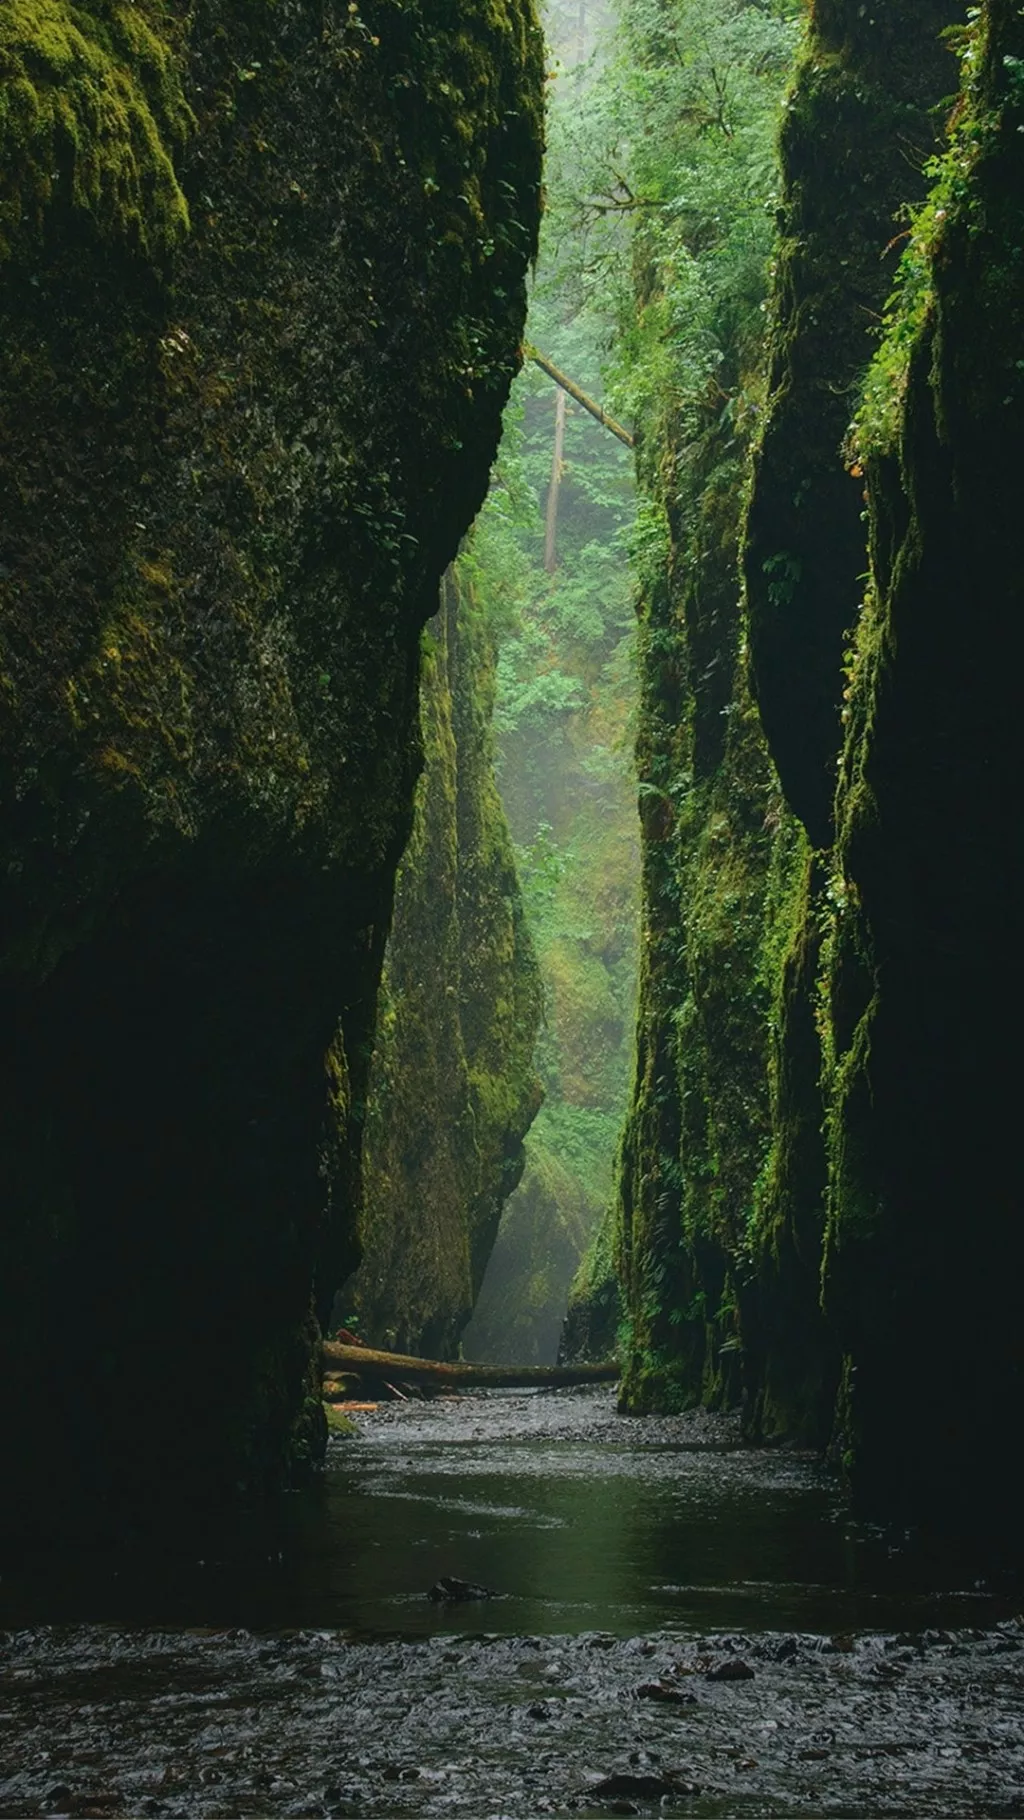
[{"x": 449, "y": 1590}]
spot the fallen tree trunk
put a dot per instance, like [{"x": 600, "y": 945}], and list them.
[
  {"x": 569, "y": 385},
  {"x": 365, "y": 1362}
]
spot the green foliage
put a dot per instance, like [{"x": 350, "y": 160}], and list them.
[
  {"x": 565, "y": 689},
  {"x": 876, "y": 427},
  {"x": 662, "y": 181},
  {"x": 338, "y": 1423},
  {"x": 674, "y": 197}
]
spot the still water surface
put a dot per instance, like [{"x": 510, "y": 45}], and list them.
[{"x": 579, "y": 1519}]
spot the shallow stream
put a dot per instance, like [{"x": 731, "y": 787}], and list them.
[{"x": 293, "y": 1663}]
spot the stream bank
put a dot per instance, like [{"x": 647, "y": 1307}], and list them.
[{"x": 301, "y": 1669}]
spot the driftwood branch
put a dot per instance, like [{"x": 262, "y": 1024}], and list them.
[
  {"x": 575, "y": 391},
  {"x": 365, "y": 1362}
]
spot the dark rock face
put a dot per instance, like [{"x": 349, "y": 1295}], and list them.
[
  {"x": 707, "y": 1236},
  {"x": 721, "y": 1208},
  {"x": 450, "y": 1591},
  {"x": 257, "y": 329},
  {"x": 857, "y": 129},
  {"x": 698, "y": 1130},
  {"x": 867, "y": 1294},
  {"x": 594, "y": 1316},
  {"x": 865, "y": 93},
  {"x": 925, "y": 1240},
  {"x": 452, "y": 1087}
]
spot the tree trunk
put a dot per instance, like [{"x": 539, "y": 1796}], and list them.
[
  {"x": 551, "y": 520},
  {"x": 366, "y": 1363},
  {"x": 569, "y": 385}
]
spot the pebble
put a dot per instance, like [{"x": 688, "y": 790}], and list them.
[
  {"x": 732, "y": 1669},
  {"x": 398, "y": 1732},
  {"x": 664, "y": 1692}
]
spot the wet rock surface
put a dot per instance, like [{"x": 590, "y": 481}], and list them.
[
  {"x": 101, "y": 1722},
  {"x": 578, "y": 1415},
  {"x": 450, "y": 1591}
]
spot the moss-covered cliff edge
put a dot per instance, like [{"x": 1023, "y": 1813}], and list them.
[
  {"x": 452, "y": 1086},
  {"x": 856, "y": 1049},
  {"x": 261, "y": 288},
  {"x": 924, "y": 1247},
  {"x": 858, "y": 125},
  {"x": 723, "y": 858}
]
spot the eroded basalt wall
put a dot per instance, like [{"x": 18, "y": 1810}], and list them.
[
  {"x": 890, "y": 968},
  {"x": 452, "y": 1086},
  {"x": 873, "y": 1285},
  {"x": 862, "y": 119},
  {"x": 710, "y": 1243},
  {"x": 925, "y": 1248},
  {"x": 858, "y": 126},
  {"x": 261, "y": 287},
  {"x": 724, "y": 863}
]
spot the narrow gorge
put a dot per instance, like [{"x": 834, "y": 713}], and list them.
[{"x": 510, "y": 604}]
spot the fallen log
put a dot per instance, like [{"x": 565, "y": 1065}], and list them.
[
  {"x": 569, "y": 385},
  {"x": 366, "y": 1362}
]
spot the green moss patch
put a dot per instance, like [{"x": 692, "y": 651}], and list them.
[{"x": 92, "y": 115}]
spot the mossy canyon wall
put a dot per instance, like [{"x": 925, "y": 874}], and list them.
[
  {"x": 261, "y": 290},
  {"x": 818, "y": 1214},
  {"x": 452, "y": 1088}
]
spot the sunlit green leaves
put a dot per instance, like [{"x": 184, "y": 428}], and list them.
[{"x": 670, "y": 159}]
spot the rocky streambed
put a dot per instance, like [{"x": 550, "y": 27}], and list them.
[
  {"x": 305, "y": 1723},
  {"x": 130, "y": 1704}
]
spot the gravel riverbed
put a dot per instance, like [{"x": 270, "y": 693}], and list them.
[{"x": 101, "y": 1723}]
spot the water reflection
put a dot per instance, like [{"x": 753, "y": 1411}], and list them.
[{"x": 575, "y": 1533}]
